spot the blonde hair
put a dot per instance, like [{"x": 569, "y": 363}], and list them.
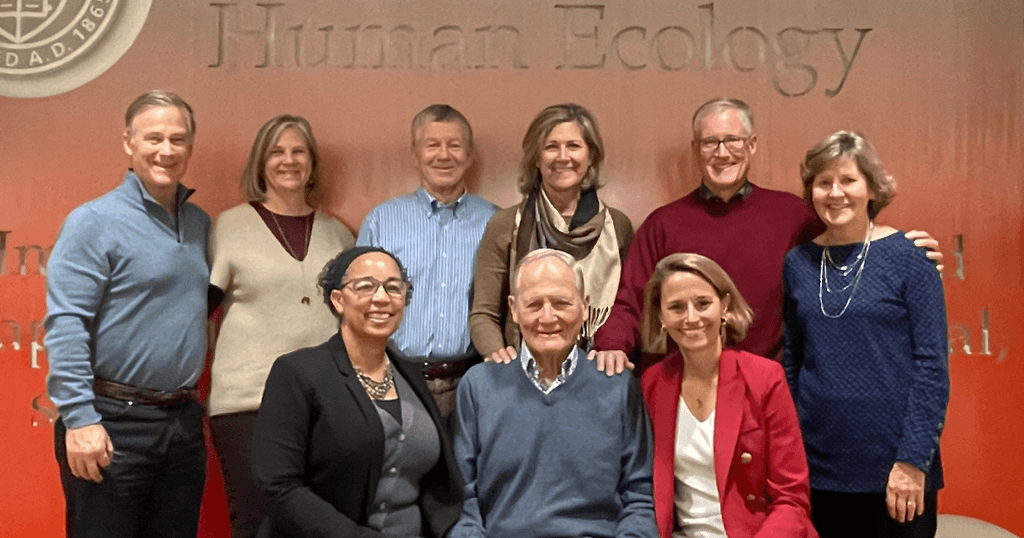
[
  {"x": 254, "y": 185},
  {"x": 738, "y": 316},
  {"x": 537, "y": 133}
]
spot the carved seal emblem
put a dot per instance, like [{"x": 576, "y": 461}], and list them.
[{"x": 53, "y": 46}]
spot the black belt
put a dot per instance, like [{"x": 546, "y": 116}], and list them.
[
  {"x": 127, "y": 393},
  {"x": 451, "y": 368}
]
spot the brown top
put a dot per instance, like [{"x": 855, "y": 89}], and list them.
[{"x": 490, "y": 323}]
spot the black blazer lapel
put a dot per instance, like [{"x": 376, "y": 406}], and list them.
[{"x": 374, "y": 429}]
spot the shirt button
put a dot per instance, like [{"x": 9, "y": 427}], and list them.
[
  {"x": 746, "y": 457},
  {"x": 392, "y": 471},
  {"x": 401, "y": 437},
  {"x": 442, "y": 284},
  {"x": 441, "y": 314},
  {"x": 444, "y": 254},
  {"x": 751, "y": 497},
  {"x": 383, "y": 506}
]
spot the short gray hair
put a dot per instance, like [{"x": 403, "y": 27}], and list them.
[
  {"x": 720, "y": 104},
  {"x": 542, "y": 253},
  {"x": 444, "y": 114},
  {"x": 159, "y": 99}
]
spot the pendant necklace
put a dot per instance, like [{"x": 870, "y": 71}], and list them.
[
  {"x": 307, "y": 232},
  {"x": 856, "y": 265}
]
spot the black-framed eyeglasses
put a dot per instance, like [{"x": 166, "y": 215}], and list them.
[
  {"x": 732, "y": 144},
  {"x": 368, "y": 286}
]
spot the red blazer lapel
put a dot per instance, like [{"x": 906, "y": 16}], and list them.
[
  {"x": 661, "y": 384},
  {"x": 728, "y": 415}
]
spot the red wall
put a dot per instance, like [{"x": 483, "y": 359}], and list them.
[{"x": 936, "y": 85}]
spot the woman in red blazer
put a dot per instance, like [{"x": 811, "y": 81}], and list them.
[{"x": 728, "y": 455}]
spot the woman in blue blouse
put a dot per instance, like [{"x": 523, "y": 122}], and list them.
[{"x": 866, "y": 353}]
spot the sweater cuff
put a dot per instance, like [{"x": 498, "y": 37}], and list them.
[
  {"x": 921, "y": 460},
  {"x": 80, "y": 415}
]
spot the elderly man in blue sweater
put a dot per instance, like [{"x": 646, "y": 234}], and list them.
[{"x": 548, "y": 445}]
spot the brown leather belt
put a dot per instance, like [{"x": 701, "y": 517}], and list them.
[
  {"x": 449, "y": 369},
  {"x": 127, "y": 393}
]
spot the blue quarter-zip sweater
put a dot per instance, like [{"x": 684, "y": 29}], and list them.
[{"x": 126, "y": 298}]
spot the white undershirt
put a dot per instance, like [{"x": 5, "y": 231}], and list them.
[{"x": 698, "y": 510}]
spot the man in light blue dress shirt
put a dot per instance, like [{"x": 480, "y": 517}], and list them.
[{"x": 435, "y": 231}]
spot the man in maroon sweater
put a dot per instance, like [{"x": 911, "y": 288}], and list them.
[{"x": 743, "y": 227}]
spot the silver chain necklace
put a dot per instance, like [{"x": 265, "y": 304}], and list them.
[{"x": 857, "y": 264}]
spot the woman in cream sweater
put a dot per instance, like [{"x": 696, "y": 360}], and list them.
[{"x": 265, "y": 258}]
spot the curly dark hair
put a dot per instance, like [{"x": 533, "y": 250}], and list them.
[{"x": 333, "y": 273}]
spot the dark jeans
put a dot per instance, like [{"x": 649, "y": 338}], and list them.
[
  {"x": 248, "y": 505},
  {"x": 154, "y": 484},
  {"x": 860, "y": 515}
]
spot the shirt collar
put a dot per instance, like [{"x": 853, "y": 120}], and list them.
[
  {"x": 134, "y": 182},
  {"x": 706, "y": 194},
  {"x": 532, "y": 369},
  {"x": 433, "y": 206}
]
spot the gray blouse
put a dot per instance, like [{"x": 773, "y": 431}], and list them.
[{"x": 411, "y": 449}]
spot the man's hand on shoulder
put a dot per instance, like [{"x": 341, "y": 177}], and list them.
[
  {"x": 923, "y": 239},
  {"x": 611, "y": 362},
  {"x": 503, "y": 356},
  {"x": 89, "y": 450}
]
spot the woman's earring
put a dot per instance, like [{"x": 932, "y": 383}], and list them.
[{"x": 721, "y": 330}]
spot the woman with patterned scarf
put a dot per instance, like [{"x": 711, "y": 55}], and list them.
[{"x": 562, "y": 155}]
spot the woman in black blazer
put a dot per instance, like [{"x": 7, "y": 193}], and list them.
[{"x": 348, "y": 440}]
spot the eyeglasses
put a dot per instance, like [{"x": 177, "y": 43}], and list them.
[
  {"x": 368, "y": 286},
  {"x": 733, "y": 144}
]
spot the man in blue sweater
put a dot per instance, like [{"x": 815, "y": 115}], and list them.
[
  {"x": 551, "y": 446},
  {"x": 126, "y": 336}
]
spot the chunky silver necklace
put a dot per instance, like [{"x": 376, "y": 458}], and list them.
[
  {"x": 856, "y": 265},
  {"x": 377, "y": 390}
]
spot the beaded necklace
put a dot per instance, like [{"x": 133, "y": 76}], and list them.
[{"x": 377, "y": 390}]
